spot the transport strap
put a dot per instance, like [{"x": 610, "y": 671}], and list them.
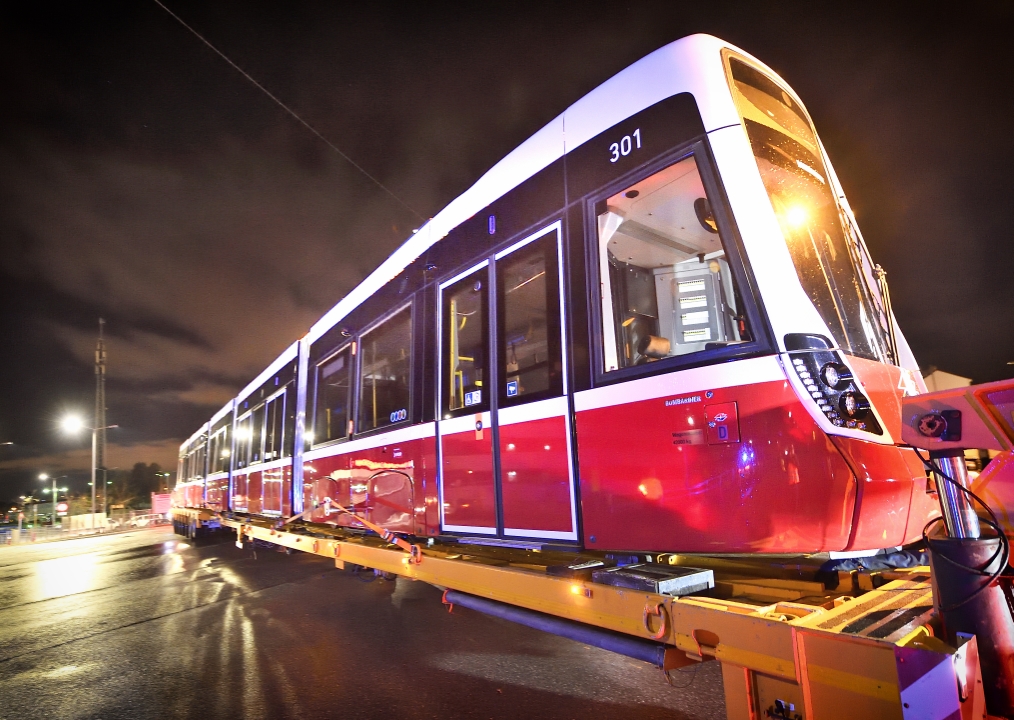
[{"x": 414, "y": 551}]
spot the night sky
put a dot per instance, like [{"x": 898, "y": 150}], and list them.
[{"x": 144, "y": 180}]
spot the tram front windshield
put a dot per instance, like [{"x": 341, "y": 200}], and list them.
[{"x": 830, "y": 261}]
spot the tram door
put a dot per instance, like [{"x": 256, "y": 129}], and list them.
[
  {"x": 468, "y": 484},
  {"x": 505, "y": 438},
  {"x": 273, "y": 479}
]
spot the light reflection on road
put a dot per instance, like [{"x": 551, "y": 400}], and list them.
[
  {"x": 62, "y": 576},
  {"x": 65, "y": 670},
  {"x": 67, "y": 575}
]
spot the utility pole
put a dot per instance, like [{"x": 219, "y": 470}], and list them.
[{"x": 99, "y": 436}]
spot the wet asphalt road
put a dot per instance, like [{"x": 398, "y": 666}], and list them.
[{"x": 143, "y": 625}]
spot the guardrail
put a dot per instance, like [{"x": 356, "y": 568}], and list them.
[{"x": 46, "y": 533}]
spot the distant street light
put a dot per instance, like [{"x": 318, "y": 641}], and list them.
[
  {"x": 6, "y": 443},
  {"x": 72, "y": 425},
  {"x": 44, "y": 477}
]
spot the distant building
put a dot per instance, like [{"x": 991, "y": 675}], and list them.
[{"x": 940, "y": 380}]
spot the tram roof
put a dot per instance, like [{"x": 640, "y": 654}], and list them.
[{"x": 691, "y": 64}]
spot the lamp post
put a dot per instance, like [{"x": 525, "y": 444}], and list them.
[
  {"x": 44, "y": 477},
  {"x": 21, "y": 514},
  {"x": 72, "y": 425}
]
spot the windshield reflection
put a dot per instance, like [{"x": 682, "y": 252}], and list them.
[{"x": 830, "y": 260}]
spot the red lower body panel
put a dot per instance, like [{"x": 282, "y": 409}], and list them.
[
  {"x": 195, "y": 495},
  {"x": 217, "y": 493},
  {"x": 276, "y": 489},
  {"x": 253, "y": 492},
  {"x": 654, "y": 478},
  {"x": 386, "y": 485},
  {"x": 469, "y": 490},
  {"x": 892, "y": 502},
  {"x": 239, "y": 492},
  {"x": 535, "y": 476}
]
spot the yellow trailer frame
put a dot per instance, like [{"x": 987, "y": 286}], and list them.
[{"x": 789, "y": 648}]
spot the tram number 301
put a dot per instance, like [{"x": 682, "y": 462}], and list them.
[{"x": 625, "y": 146}]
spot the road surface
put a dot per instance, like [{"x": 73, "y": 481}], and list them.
[{"x": 145, "y": 625}]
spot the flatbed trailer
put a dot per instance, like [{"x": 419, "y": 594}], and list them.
[
  {"x": 791, "y": 645},
  {"x": 795, "y": 641}
]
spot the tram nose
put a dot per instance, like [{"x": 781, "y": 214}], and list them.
[{"x": 894, "y": 498}]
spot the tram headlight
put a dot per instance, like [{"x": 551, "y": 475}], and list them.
[
  {"x": 829, "y": 383},
  {"x": 853, "y": 405},
  {"x": 796, "y": 216},
  {"x": 835, "y": 375}
]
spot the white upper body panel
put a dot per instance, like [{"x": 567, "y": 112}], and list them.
[
  {"x": 193, "y": 438},
  {"x": 226, "y": 409},
  {"x": 287, "y": 356}
]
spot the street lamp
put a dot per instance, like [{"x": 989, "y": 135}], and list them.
[
  {"x": 72, "y": 425},
  {"x": 21, "y": 514},
  {"x": 44, "y": 477},
  {"x": 35, "y": 507}
]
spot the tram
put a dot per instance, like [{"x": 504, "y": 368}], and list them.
[{"x": 654, "y": 326}]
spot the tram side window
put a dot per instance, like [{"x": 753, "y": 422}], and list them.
[
  {"x": 332, "y": 417},
  {"x": 465, "y": 342},
  {"x": 219, "y": 461},
  {"x": 212, "y": 454},
  {"x": 529, "y": 322},
  {"x": 274, "y": 427},
  {"x": 667, "y": 289},
  {"x": 213, "y": 443},
  {"x": 197, "y": 468},
  {"x": 385, "y": 369},
  {"x": 257, "y": 435},
  {"x": 243, "y": 436}
]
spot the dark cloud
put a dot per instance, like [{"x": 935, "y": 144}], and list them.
[{"x": 143, "y": 180}]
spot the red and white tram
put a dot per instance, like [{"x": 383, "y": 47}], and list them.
[{"x": 653, "y": 326}]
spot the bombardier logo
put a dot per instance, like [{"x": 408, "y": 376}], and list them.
[{"x": 683, "y": 400}]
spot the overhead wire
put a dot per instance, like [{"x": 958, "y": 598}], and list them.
[{"x": 291, "y": 112}]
